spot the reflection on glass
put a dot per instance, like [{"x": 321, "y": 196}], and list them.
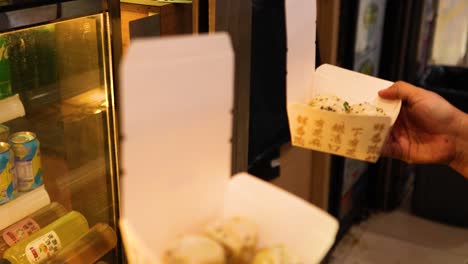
[{"x": 450, "y": 45}]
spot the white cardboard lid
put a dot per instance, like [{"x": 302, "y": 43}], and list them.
[
  {"x": 301, "y": 28},
  {"x": 177, "y": 96}
]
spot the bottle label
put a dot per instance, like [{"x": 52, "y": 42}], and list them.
[
  {"x": 43, "y": 247},
  {"x": 20, "y": 231}
]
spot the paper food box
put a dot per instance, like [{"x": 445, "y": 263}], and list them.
[
  {"x": 359, "y": 136},
  {"x": 177, "y": 97}
]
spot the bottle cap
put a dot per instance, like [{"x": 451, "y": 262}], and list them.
[{"x": 4, "y": 261}]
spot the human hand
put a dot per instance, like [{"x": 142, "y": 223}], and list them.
[{"x": 427, "y": 130}]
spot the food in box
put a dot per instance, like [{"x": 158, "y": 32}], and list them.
[
  {"x": 302, "y": 230},
  {"x": 227, "y": 241},
  {"x": 346, "y": 117},
  {"x": 346, "y": 134}
]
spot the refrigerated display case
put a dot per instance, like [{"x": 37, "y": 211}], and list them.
[{"x": 62, "y": 56}]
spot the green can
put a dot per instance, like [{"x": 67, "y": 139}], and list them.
[
  {"x": 5, "y": 77},
  {"x": 28, "y": 165},
  {"x": 7, "y": 179}
]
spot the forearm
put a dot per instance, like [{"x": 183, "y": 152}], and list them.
[{"x": 460, "y": 162}]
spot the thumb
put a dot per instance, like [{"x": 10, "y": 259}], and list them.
[{"x": 399, "y": 90}]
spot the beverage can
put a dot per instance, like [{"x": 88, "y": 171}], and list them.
[
  {"x": 5, "y": 78},
  {"x": 7, "y": 187},
  {"x": 28, "y": 165}
]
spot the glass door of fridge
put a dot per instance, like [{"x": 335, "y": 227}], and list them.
[{"x": 63, "y": 74}]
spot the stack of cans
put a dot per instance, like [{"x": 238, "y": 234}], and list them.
[{"x": 20, "y": 165}]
